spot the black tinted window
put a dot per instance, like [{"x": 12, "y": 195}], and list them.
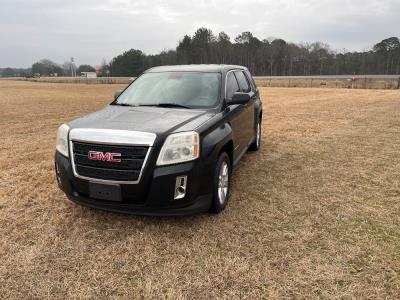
[
  {"x": 252, "y": 83},
  {"x": 231, "y": 85},
  {"x": 243, "y": 83}
]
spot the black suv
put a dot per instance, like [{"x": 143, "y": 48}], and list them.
[{"x": 166, "y": 145}]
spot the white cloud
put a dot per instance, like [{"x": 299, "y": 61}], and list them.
[{"x": 90, "y": 30}]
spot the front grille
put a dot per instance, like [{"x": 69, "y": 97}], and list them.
[{"x": 132, "y": 160}]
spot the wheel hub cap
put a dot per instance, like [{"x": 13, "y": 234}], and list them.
[{"x": 223, "y": 182}]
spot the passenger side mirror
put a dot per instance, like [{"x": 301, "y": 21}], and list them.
[
  {"x": 116, "y": 94},
  {"x": 239, "y": 98}
]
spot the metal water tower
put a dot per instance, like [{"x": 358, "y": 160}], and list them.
[{"x": 73, "y": 71}]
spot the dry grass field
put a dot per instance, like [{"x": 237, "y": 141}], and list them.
[{"x": 314, "y": 214}]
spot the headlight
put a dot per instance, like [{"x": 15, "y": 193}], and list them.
[
  {"x": 62, "y": 139},
  {"x": 179, "y": 147}
]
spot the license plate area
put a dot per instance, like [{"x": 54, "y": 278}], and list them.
[{"x": 109, "y": 192}]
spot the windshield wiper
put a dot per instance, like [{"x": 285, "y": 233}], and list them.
[
  {"x": 166, "y": 105},
  {"x": 123, "y": 104}
]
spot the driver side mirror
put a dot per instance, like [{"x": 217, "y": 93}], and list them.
[
  {"x": 116, "y": 94},
  {"x": 239, "y": 98}
]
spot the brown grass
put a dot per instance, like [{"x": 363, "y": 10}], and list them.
[
  {"x": 359, "y": 83},
  {"x": 314, "y": 214}
]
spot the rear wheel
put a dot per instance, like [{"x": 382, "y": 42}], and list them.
[
  {"x": 257, "y": 142},
  {"x": 222, "y": 174}
]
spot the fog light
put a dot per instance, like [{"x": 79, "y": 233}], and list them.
[
  {"x": 180, "y": 187},
  {"x": 58, "y": 176}
]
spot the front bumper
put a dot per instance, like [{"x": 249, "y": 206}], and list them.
[{"x": 153, "y": 195}]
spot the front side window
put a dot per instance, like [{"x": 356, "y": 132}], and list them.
[
  {"x": 186, "y": 89},
  {"x": 243, "y": 82},
  {"x": 251, "y": 79},
  {"x": 231, "y": 85}
]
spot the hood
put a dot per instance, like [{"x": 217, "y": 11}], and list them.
[{"x": 147, "y": 119}]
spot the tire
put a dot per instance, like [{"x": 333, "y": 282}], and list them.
[
  {"x": 222, "y": 185},
  {"x": 256, "y": 144}
]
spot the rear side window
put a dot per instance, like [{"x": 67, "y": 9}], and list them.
[
  {"x": 243, "y": 82},
  {"x": 231, "y": 85}
]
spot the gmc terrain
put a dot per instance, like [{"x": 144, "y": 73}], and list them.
[{"x": 166, "y": 145}]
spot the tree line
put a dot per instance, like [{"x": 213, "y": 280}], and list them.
[
  {"x": 46, "y": 67},
  {"x": 271, "y": 57}
]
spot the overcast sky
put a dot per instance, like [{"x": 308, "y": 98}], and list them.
[{"x": 91, "y": 30}]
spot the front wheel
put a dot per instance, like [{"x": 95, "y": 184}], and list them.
[
  {"x": 257, "y": 142},
  {"x": 222, "y": 174}
]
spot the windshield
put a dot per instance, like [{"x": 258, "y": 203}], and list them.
[{"x": 179, "y": 89}]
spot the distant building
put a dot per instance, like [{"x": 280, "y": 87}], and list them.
[{"x": 89, "y": 74}]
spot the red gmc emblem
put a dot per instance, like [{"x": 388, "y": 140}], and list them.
[{"x": 107, "y": 156}]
